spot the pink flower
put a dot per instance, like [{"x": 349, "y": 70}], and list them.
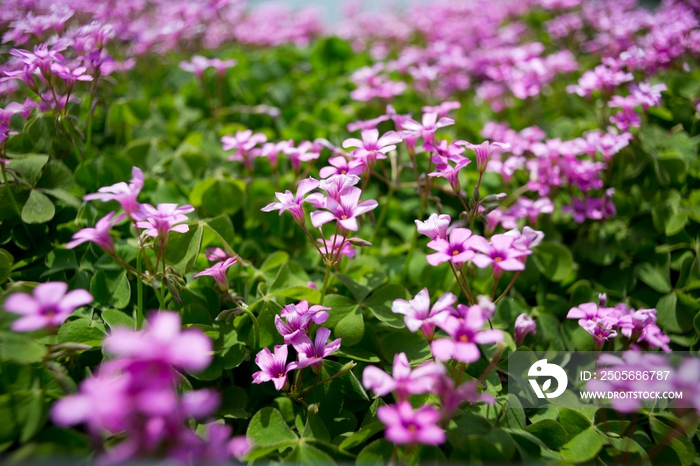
[
  {"x": 306, "y": 151},
  {"x": 427, "y": 128},
  {"x": 341, "y": 166},
  {"x": 239, "y": 446},
  {"x": 435, "y": 227},
  {"x": 404, "y": 425},
  {"x": 298, "y": 318},
  {"x": 243, "y": 142},
  {"x": 48, "y": 306},
  {"x": 443, "y": 109},
  {"x": 333, "y": 244},
  {"x": 216, "y": 254},
  {"x": 450, "y": 173},
  {"x": 125, "y": 195},
  {"x": 218, "y": 271},
  {"x": 367, "y": 124},
  {"x": 160, "y": 221},
  {"x": 465, "y": 333},
  {"x": 419, "y": 315},
  {"x": 484, "y": 151},
  {"x": 456, "y": 250},
  {"x": 274, "y": 366},
  {"x": 164, "y": 341},
  {"x": 98, "y": 235},
  {"x": 403, "y": 380},
  {"x": 524, "y": 325},
  {"x": 372, "y": 147},
  {"x": 335, "y": 184},
  {"x": 311, "y": 353},
  {"x": 500, "y": 253},
  {"x": 526, "y": 240},
  {"x": 345, "y": 211},
  {"x": 293, "y": 202}
]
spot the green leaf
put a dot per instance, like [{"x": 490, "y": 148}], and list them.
[
  {"x": 379, "y": 304},
  {"x": 675, "y": 438},
  {"x": 81, "y": 331},
  {"x": 182, "y": 248},
  {"x": 550, "y": 432},
  {"x": 268, "y": 428},
  {"x": 116, "y": 319},
  {"x": 553, "y": 260},
  {"x": 266, "y": 320},
  {"x": 15, "y": 347},
  {"x": 111, "y": 287},
  {"x": 351, "y": 328},
  {"x": 41, "y": 132},
  {"x": 362, "y": 435},
  {"x": 38, "y": 208},
  {"x": 314, "y": 427},
  {"x": 234, "y": 401},
  {"x": 376, "y": 453},
  {"x": 573, "y": 422},
  {"x": 656, "y": 278},
  {"x": 222, "y": 197},
  {"x": 56, "y": 175},
  {"x": 6, "y": 261},
  {"x": 303, "y": 453},
  {"x": 583, "y": 447},
  {"x": 402, "y": 341},
  {"x": 29, "y": 167}
]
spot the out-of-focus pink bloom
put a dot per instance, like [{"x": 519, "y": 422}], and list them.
[
  {"x": 306, "y": 151},
  {"x": 435, "y": 227},
  {"x": 98, "y": 235},
  {"x": 336, "y": 244},
  {"x": 239, "y": 446},
  {"x": 164, "y": 341},
  {"x": 457, "y": 249},
  {"x": 648, "y": 95},
  {"x": 345, "y": 211},
  {"x": 125, "y": 194},
  {"x": 367, "y": 124},
  {"x": 218, "y": 271},
  {"x": 216, "y": 254},
  {"x": 48, "y": 306},
  {"x": 524, "y": 325},
  {"x": 243, "y": 143},
  {"x": 274, "y": 366},
  {"x": 443, "y": 109},
  {"x": 527, "y": 239},
  {"x": 419, "y": 315},
  {"x": 404, "y": 425},
  {"x": 293, "y": 202}
]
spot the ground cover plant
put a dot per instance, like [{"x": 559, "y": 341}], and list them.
[{"x": 230, "y": 235}]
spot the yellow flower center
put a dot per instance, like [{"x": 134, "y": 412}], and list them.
[
  {"x": 343, "y": 217},
  {"x": 464, "y": 339},
  {"x": 455, "y": 252}
]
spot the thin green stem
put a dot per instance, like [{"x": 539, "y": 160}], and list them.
[
  {"x": 466, "y": 284},
  {"x": 383, "y": 213},
  {"x": 139, "y": 292},
  {"x": 510, "y": 285},
  {"x": 325, "y": 282}
]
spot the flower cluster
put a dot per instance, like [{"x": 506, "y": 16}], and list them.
[
  {"x": 605, "y": 323},
  {"x": 135, "y": 396},
  {"x": 295, "y": 324},
  {"x": 406, "y": 425}
]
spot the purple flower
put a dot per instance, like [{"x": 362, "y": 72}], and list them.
[
  {"x": 310, "y": 353},
  {"x": 484, "y": 151},
  {"x": 239, "y": 446},
  {"x": 216, "y": 254},
  {"x": 98, "y": 235},
  {"x": 403, "y": 380},
  {"x": 372, "y": 147},
  {"x": 306, "y": 151},
  {"x": 163, "y": 341},
  {"x": 293, "y": 202},
  {"x": 456, "y": 250},
  {"x": 443, "y": 109},
  {"x": 524, "y": 325},
  {"x": 298, "y": 318},
  {"x": 527, "y": 239},
  {"x": 419, "y": 315},
  {"x": 160, "y": 221},
  {"x": 435, "y": 227},
  {"x": 243, "y": 142},
  {"x": 427, "y": 128},
  {"x": 335, "y": 184},
  {"x": 274, "y": 366},
  {"x": 601, "y": 323},
  {"x": 125, "y": 194},
  {"x": 345, "y": 211},
  {"x": 465, "y": 332},
  {"x": 367, "y": 124},
  {"x": 500, "y": 253},
  {"x": 218, "y": 271},
  {"x": 450, "y": 173},
  {"x": 336, "y": 244},
  {"x": 404, "y": 425},
  {"x": 341, "y": 166},
  {"x": 48, "y": 306}
]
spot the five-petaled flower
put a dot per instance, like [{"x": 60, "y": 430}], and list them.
[
  {"x": 48, "y": 306},
  {"x": 274, "y": 366},
  {"x": 345, "y": 211}
]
